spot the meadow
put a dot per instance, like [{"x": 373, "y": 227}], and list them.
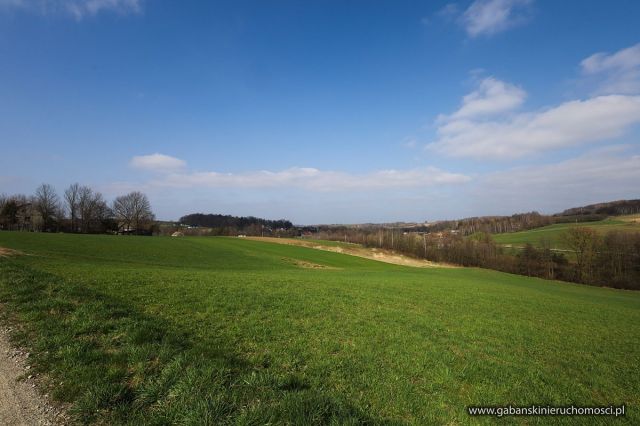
[
  {"x": 554, "y": 234},
  {"x": 155, "y": 330}
]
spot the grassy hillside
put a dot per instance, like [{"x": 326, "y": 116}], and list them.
[
  {"x": 229, "y": 331},
  {"x": 554, "y": 233}
]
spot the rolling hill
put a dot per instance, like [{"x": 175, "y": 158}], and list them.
[
  {"x": 554, "y": 233},
  {"x": 135, "y": 330}
]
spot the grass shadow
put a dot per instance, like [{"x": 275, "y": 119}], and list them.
[{"x": 116, "y": 365}]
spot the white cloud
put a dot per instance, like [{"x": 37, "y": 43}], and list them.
[
  {"x": 410, "y": 143},
  {"x": 470, "y": 132},
  {"x": 157, "y": 162},
  {"x": 487, "y": 17},
  {"x": 492, "y": 96},
  {"x": 619, "y": 72},
  {"x": 11, "y": 3},
  {"x": 295, "y": 177},
  {"x": 314, "y": 179},
  {"x": 449, "y": 11},
  {"x": 623, "y": 59},
  {"x": 79, "y": 9},
  {"x": 600, "y": 175}
]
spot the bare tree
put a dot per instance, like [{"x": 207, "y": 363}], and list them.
[
  {"x": 85, "y": 207},
  {"x": 4, "y": 211},
  {"x": 584, "y": 242},
  {"x": 72, "y": 199},
  {"x": 95, "y": 211},
  {"x": 90, "y": 208},
  {"x": 16, "y": 213},
  {"x": 101, "y": 212},
  {"x": 133, "y": 212},
  {"x": 47, "y": 205}
]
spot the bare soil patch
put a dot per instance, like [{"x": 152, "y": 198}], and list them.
[
  {"x": 635, "y": 218},
  {"x": 5, "y": 252},
  {"x": 307, "y": 265},
  {"x": 20, "y": 402},
  {"x": 381, "y": 255}
]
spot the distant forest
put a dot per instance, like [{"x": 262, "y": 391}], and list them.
[
  {"x": 236, "y": 222},
  {"x": 490, "y": 224},
  {"x": 608, "y": 259},
  {"x": 612, "y": 208},
  {"x": 525, "y": 221}
]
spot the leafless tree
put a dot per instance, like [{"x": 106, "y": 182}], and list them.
[
  {"x": 47, "y": 205},
  {"x": 85, "y": 207},
  {"x": 72, "y": 199},
  {"x": 92, "y": 209},
  {"x": 16, "y": 213},
  {"x": 584, "y": 242},
  {"x": 546, "y": 247},
  {"x": 96, "y": 211},
  {"x": 133, "y": 212},
  {"x": 4, "y": 210}
]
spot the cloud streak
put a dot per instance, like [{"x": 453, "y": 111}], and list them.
[
  {"x": 157, "y": 162},
  {"x": 619, "y": 72},
  {"x": 296, "y": 177},
  {"x": 491, "y": 97},
  {"x": 317, "y": 180},
  {"x": 569, "y": 124},
  {"x": 600, "y": 175},
  {"x": 488, "y": 17},
  {"x": 78, "y": 9}
]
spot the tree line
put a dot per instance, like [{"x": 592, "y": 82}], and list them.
[
  {"x": 80, "y": 209},
  {"x": 531, "y": 220},
  {"x": 611, "y": 208},
  {"x": 612, "y": 259},
  {"x": 489, "y": 224},
  {"x": 236, "y": 223}
]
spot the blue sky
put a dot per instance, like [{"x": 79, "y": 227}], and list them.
[{"x": 324, "y": 112}]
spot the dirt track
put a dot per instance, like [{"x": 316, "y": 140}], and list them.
[
  {"x": 5, "y": 252},
  {"x": 381, "y": 255},
  {"x": 20, "y": 402}
]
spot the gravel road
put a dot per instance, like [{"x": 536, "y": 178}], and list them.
[{"x": 20, "y": 402}]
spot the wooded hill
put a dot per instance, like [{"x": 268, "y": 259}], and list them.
[
  {"x": 612, "y": 208},
  {"x": 236, "y": 222},
  {"x": 525, "y": 221}
]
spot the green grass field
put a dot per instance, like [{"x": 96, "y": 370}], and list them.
[
  {"x": 554, "y": 233},
  {"x": 152, "y": 330}
]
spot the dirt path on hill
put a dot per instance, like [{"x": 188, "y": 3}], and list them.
[
  {"x": 20, "y": 402},
  {"x": 5, "y": 252},
  {"x": 381, "y": 255}
]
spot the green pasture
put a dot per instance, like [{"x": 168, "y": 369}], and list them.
[
  {"x": 555, "y": 233},
  {"x": 153, "y": 330}
]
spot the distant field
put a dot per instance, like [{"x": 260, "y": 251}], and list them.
[
  {"x": 152, "y": 330},
  {"x": 554, "y": 233},
  {"x": 327, "y": 242},
  {"x": 351, "y": 249}
]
